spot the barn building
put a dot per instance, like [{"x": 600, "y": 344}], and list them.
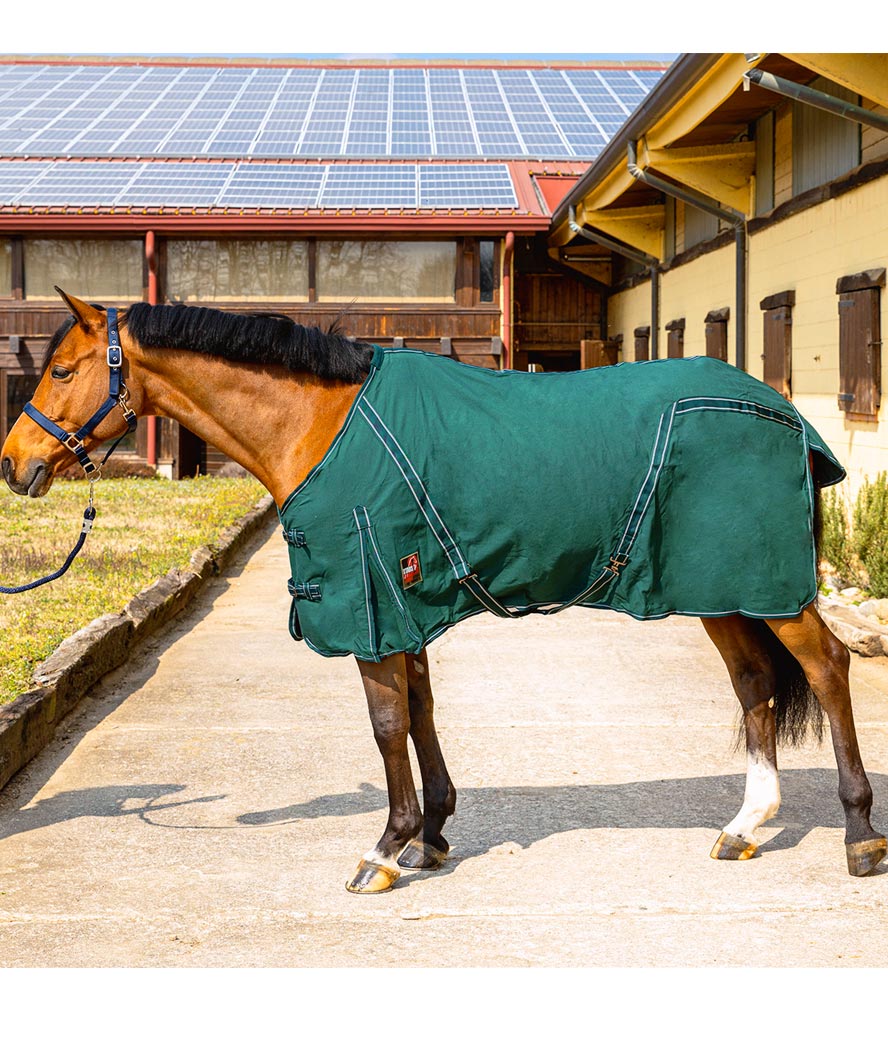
[
  {"x": 410, "y": 201},
  {"x": 744, "y": 210}
]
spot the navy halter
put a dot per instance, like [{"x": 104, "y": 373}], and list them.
[
  {"x": 73, "y": 441},
  {"x": 117, "y": 395}
]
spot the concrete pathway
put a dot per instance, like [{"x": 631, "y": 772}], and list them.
[{"x": 205, "y": 806}]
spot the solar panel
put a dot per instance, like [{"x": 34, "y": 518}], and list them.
[
  {"x": 396, "y": 112},
  {"x": 245, "y": 185}
]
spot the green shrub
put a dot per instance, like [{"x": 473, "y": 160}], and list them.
[
  {"x": 870, "y": 532},
  {"x": 835, "y": 537},
  {"x": 854, "y": 541}
]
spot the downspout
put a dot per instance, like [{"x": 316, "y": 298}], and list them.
[
  {"x": 508, "y": 256},
  {"x": 151, "y": 422},
  {"x": 819, "y": 99},
  {"x": 631, "y": 254},
  {"x": 736, "y": 219}
]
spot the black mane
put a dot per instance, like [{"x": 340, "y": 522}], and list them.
[
  {"x": 265, "y": 339},
  {"x": 57, "y": 337}
]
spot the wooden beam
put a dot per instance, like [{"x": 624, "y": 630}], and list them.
[
  {"x": 700, "y": 100},
  {"x": 641, "y": 228},
  {"x": 722, "y": 172}
]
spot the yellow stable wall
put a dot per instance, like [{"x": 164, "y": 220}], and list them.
[{"x": 806, "y": 253}]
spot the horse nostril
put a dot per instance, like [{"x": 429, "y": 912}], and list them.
[{"x": 7, "y": 468}]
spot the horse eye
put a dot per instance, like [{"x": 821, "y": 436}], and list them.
[{"x": 60, "y": 373}]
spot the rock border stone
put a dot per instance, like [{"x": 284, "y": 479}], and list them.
[
  {"x": 29, "y": 723},
  {"x": 864, "y": 635}
]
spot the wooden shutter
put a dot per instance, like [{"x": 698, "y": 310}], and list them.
[
  {"x": 717, "y": 334},
  {"x": 860, "y": 344},
  {"x": 675, "y": 338},
  {"x": 777, "y": 341},
  {"x": 642, "y": 343}
]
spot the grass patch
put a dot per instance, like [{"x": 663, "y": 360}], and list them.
[{"x": 144, "y": 528}]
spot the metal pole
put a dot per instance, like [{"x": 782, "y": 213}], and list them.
[
  {"x": 632, "y": 254},
  {"x": 818, "y": 99},
  {"x": 729, "y": 215}
]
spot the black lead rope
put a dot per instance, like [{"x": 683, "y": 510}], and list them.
[
  {"x": 117, "y": 396},
  {"x": 89, "y": 516}
]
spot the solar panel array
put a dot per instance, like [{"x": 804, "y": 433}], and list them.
[
  {"x": 184, "y": 184},
  {"x": 323, "y": 113}
]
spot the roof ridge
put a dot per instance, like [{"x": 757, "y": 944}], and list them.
[{"x": 260, "y": 62}]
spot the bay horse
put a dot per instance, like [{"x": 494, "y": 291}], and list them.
[{"x": 274, "y": 397}]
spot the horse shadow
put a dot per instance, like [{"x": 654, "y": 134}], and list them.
[
  {"x": 524, "y": 815},
  {"x": 117, "y": 801},
  {"x": 490, "y": 816}
]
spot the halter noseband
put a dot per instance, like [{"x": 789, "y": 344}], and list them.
[{"x": 117, "y": 396}]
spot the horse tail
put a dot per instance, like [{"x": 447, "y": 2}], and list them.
[{"x": 796, "y": 708}]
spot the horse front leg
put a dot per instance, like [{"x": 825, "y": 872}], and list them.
[
  {"x": 753, "y": 677},
  {"x": 825, "y": 661},
  {"x": 428, "y": 851},
  {"x": 385, "y": 684}
]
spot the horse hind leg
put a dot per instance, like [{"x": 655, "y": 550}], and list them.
[
  {"x": 825, "y": 662},
  {"x": 429, "y": 850},
  {"x": 754, "y": 678}
]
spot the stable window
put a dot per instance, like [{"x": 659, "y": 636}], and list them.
[
  {"x": 699, "y": 226},
  {"x": 675, "y": 338},
  {"x": 93, "y": 269},
  {"x": 642, "y": 343},
  {"x": 824, "y": 145},
  {"x": 716, "y": 329},
  {"x": 5, "y": 267},
  {"x": 777, "y": 341},
  {"x": 486, "y": 275},
  {"x": 399, "y": 271},
  {"x": 860, "y": 344},
  {"x": 211, "y": 270},
  {"x": 764, "y": 163}
]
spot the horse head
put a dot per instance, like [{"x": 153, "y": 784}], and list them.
[{"x": 79, "y": 403}]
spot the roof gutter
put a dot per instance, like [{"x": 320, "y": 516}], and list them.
[
  {"x": 819, "y": 99},
  {"x": 736, "y": 219},
  {"x": 632, "y": 254}
]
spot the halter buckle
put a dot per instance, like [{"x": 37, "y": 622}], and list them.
[
  {"x": 73, "y": 444},
  {"x": 115, "y": 356}
]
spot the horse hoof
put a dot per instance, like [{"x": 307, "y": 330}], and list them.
[
  {"x": 864, "y": 856},
  {"x": 420, "y": 856},
  {"x": 372, "y": 877},
  {"x": 729, "y": 847}
]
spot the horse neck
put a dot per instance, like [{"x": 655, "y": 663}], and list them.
[{"x": 275, "y": 423}]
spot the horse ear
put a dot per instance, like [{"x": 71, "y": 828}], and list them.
[{"x": 88, "y": 316}]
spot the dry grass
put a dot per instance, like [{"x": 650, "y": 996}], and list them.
[{"x": 144, "y": 528}]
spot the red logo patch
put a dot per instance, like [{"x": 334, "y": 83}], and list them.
[{"x": 411, "y": 572}]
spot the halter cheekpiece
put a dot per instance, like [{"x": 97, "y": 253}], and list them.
[{"x": 117, "y": 396}]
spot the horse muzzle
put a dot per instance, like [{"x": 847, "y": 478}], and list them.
[{"x": 34, "y": 481}]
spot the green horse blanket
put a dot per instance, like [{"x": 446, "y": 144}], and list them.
[{"x": 676, "y": 486}]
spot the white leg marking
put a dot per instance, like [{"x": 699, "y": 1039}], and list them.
[
  {"x": 391, "y": 863},
  {"x": 418, "y": 666},
  {"x": 762, "y": 798}
]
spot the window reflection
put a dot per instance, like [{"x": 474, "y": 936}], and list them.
[
  {"x": 5, "y": 267},
  {"x": 233, "y": 269},
  {"x": 405, "y": 271},
  {"x": 91, "y": 269}
]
